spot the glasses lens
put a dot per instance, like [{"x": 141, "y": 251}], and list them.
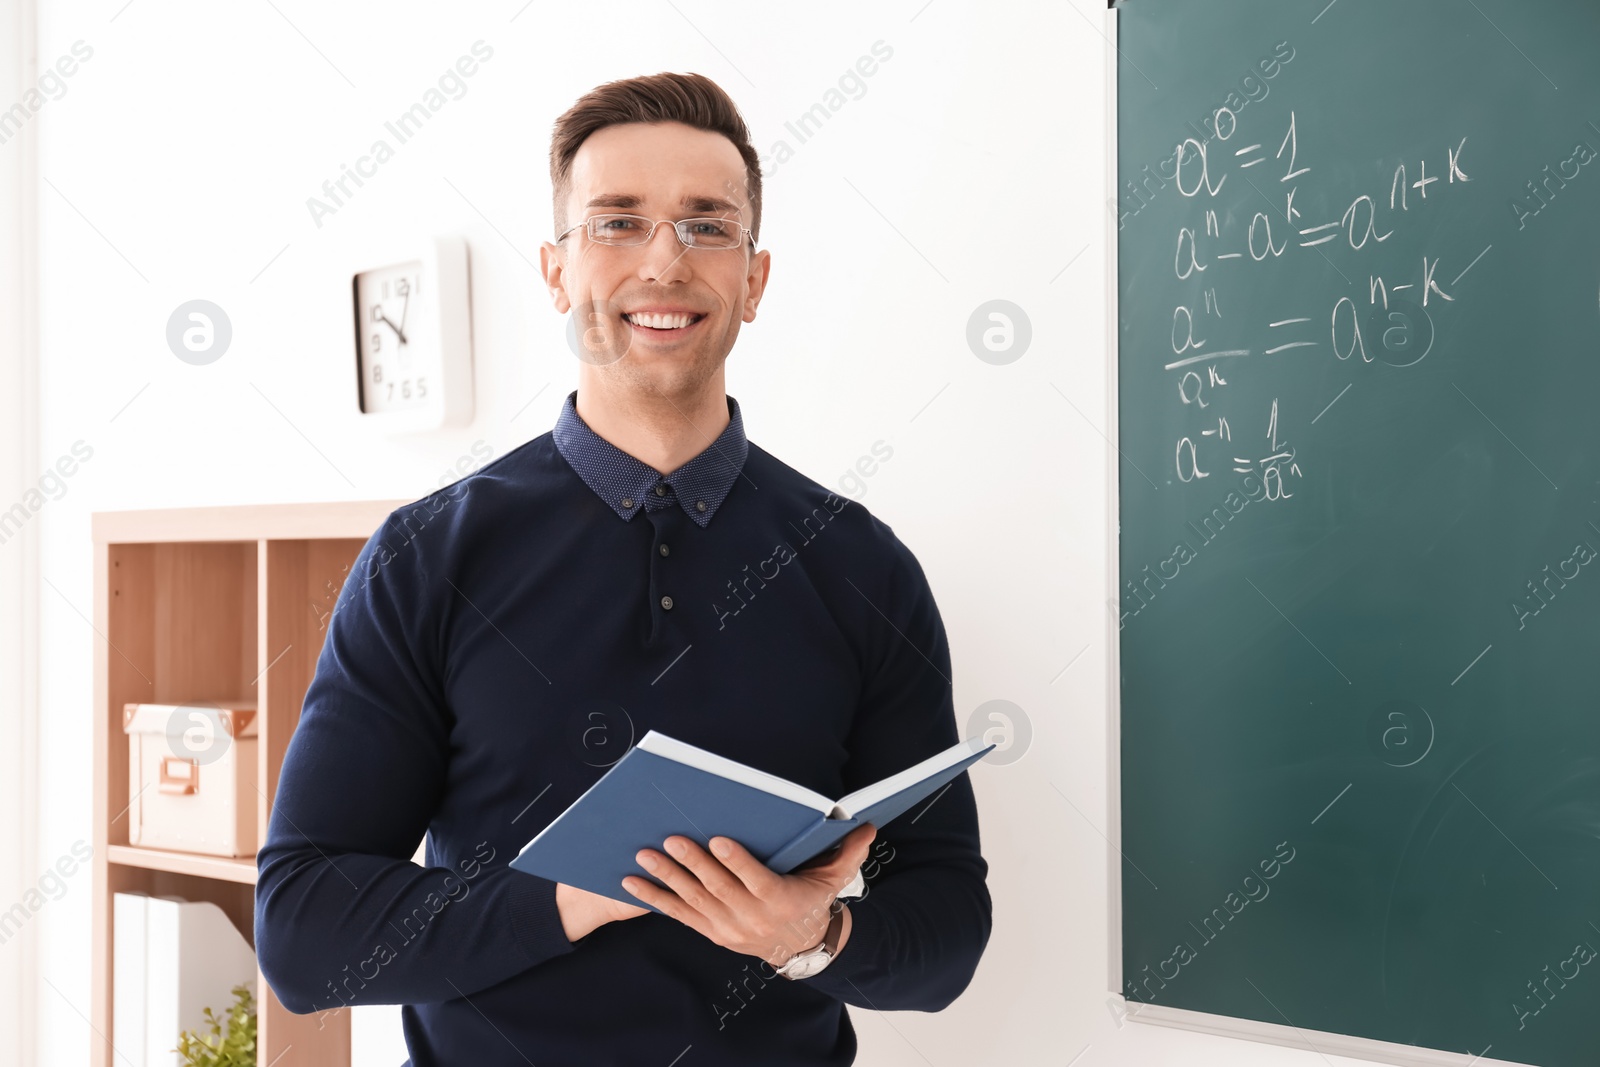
[
  {"x": 618, "y": 229},
  {"x": 713, "y": 233}
]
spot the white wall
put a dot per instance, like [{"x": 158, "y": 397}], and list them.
[
  {"x": 20, "y": 894},
  {"x": 179, "y": 162}
]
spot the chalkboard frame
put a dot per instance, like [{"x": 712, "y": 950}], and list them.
[{"x": 1306, "y": 1040}]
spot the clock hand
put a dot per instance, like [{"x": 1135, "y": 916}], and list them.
[
  {"x": 384, "y": 318},
  {"x": 405, "y": 307}
]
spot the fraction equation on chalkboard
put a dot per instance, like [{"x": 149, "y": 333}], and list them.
[{"x": 1395, "y": 326}]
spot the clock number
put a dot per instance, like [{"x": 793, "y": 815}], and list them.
[
  {"x": 422, "y": 387},
  {"x": 377, "y": 312},
  {"x": 391, "y": 391},
  {"x": 377, "y": 374},
  {"x": 377, "y": 341},
  {"x": 403, "y": 286},
  {"x": 405, "y": 389}
]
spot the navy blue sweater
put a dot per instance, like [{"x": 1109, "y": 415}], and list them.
[{"x": 499, "y": 644}]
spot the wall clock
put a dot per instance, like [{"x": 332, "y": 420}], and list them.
[{"x": 413, "y": 350}]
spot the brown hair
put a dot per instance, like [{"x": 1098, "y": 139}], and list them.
[{"x": 692, "y": 99}]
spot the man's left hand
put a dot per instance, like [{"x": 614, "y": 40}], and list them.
[{"x": 739, "y": 902}]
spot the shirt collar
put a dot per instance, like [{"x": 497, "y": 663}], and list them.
[{"x": 629, "y": 485}]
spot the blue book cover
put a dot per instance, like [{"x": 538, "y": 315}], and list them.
[{"x": 664, "y": 786}]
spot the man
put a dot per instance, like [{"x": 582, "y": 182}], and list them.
[{"x": 502, "y": 642}]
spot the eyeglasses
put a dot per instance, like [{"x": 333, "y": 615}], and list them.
[{"x": 637, "y": 230}]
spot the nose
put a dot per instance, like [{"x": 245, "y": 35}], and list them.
[{"x": 664, "y": 256}]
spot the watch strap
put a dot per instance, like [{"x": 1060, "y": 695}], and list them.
[
  {"x": 830, "y": 936},
  {"x": 830, "y": 940}
]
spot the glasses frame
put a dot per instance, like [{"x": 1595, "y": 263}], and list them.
[{"x": 676, "y": 224}]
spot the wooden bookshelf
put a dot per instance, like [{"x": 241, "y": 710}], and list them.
[{"x": 211, "y": 604}]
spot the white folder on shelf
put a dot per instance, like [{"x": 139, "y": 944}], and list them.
[
  {"x": 193, "y": 958},
  {"x": 128, "y": 978}
]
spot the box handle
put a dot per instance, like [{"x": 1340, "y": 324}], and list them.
[{"x": 180, "y": 776}]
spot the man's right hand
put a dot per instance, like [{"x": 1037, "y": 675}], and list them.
[{"x": 583, "y": 912}]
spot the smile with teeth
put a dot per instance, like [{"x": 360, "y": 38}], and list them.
[{"x": 655, "y": 321}]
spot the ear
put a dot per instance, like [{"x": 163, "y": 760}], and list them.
[
  {"x": 756, "y": 283},
  {"x": 552, "y": 264}
]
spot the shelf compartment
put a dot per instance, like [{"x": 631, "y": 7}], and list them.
[{"x": 211, "y": 605}]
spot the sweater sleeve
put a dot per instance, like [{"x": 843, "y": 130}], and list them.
[
  {"x": 918, "y": 933},
  {"x": 342, "y": 914}
]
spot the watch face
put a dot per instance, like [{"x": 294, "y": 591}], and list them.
[
  {"x": 810, "y": 964},
  {"x": 392, "y": 349}
]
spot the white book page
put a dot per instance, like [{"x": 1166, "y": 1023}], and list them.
[
  {"x": 869, "y": 795},
  {"x": 683, "y": 752}
]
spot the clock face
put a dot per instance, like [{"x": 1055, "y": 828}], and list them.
[{"x": 396, "y": 354}]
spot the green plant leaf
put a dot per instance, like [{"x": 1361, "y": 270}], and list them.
[{"x": 236, "y": 1048}]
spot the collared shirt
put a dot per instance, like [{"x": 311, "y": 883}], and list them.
[
  {"x": 497, "y": 645},
  {"x": 626, "y": 483}
]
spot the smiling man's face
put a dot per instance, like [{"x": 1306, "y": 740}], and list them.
[{"x": 658, "y": 318}]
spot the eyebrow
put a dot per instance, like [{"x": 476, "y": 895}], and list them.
[{"x": 690, "y": 203}]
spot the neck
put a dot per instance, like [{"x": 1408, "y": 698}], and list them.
[{"x": 660, "y": 429}]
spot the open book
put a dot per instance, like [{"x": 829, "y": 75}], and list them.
[{"x": 663, "y": 786}]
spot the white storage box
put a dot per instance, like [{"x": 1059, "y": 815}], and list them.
[{"x": 192, "y": 777}]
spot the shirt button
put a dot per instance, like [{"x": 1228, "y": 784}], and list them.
[
  {"x": 699, "y": 505},
  {"x": 661, "y": 490},
  {"x": 663, "y": 550},
  {"x": 627, "y": 501},
  {"x": 666, "y": 603}
]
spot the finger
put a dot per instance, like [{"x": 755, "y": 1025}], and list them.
[
  {"x": 664, "y": 901},
  {"x": 756, "y": 876},
  {"x": 852, "y": 856},
  {"x": 711, "y": 878},
  {"x": 853, "y": 849},
  {"x": 694, "y": 876},
  {"x": 839, "y": 871},
  {"x": 862, "y": 836}
]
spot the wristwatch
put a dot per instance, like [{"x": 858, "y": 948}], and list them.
[{"x": 806, "y": 964}]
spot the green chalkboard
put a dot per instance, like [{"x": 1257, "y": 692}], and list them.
[{"x": 1359, "y": 424}]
